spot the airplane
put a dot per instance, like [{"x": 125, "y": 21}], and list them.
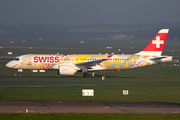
[{"x": 69, "y": 64}]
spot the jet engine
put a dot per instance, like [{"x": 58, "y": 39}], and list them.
[{"x": 67, "y": 70}]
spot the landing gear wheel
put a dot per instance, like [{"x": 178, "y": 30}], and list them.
[
  {"x": 86, "y": 75},
  {"x": 20, "y": 75}
]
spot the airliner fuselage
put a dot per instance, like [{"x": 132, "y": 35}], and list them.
[{"x": 69, "y": 64}]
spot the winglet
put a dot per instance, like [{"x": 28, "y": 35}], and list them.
[{"x": 110, "y": 55}]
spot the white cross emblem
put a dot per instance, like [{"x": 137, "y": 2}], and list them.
[{"x": 157, "y": 42}]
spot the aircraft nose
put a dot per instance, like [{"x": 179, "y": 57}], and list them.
[{"x": 8, "y": 65}]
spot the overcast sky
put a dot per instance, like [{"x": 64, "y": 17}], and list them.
[{"x": 71, "y": 12}]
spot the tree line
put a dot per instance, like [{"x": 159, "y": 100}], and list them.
[{"x": 139, "y": 31}]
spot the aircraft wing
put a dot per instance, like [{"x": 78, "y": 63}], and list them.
[{"x": 89, "y": 64}]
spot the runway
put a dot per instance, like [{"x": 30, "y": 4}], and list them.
[{"x": 88, "y": 107}]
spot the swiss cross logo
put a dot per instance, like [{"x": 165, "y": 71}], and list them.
[{"x": 157, "y": 42}]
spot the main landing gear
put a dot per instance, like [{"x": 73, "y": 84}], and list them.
[
  {"x": 86, "y": 75},
  {"x": 20, "y": 75}
]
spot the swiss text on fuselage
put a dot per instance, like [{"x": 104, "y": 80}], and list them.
[{"x": 48, "y": 59}]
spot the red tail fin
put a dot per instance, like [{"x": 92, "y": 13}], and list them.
[{"x": 156, "y": 45}]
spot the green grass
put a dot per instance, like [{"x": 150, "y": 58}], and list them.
[
  {"x": 137, "y": 92},
  {"x": 76, "y": 116}
]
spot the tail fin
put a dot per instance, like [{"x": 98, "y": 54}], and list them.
[{"x": 155, "y": 46}]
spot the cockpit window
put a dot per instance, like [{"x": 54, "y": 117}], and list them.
[{"x": 16, "y": 59}]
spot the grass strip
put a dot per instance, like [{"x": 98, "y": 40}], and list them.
[
  {"x": 112, "y": 93},
  {"x": 76, "y": 116}
]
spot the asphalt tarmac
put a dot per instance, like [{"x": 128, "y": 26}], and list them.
[
  {"x": 88, "y": 107},
  {"x": 59, "y": 83}
]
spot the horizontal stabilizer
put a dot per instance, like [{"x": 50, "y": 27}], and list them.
[{"x": 157, "y": 58}]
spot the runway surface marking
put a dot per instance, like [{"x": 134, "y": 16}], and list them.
[
  {"x": 56, "y": 107},
  {"x": 88, "y": 107}
]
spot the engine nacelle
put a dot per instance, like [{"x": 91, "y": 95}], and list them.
[{"x": 67, "y": 70}]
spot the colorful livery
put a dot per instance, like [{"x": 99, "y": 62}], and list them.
[{"x": 69, "y": 64}]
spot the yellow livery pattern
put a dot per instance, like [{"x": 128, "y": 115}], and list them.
[{"x": 50, "y": 61}]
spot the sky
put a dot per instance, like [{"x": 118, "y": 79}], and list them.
[{"x": 72, "y": 12}]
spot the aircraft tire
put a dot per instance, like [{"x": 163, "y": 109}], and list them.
[
  {"x": 20, "y": 75},
  {"x": 86, "y": 75}
]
